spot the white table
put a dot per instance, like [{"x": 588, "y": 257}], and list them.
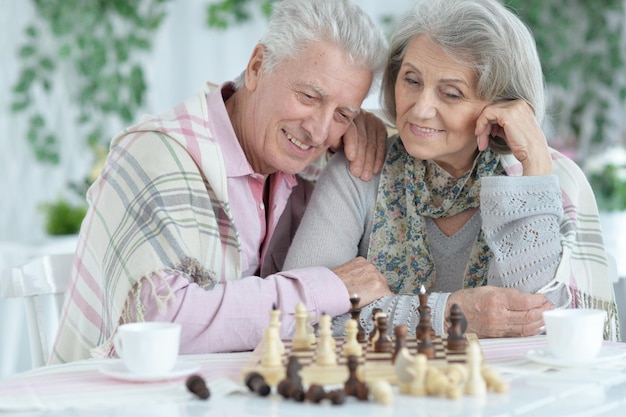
[{"x": 79, "y": 389}]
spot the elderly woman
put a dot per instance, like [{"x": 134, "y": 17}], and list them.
[{"x": 471, "y": 203}]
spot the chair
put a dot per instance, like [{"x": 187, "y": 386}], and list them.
[{"x": 41, "y": 282}]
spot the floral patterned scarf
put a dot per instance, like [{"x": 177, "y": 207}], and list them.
[{"x": 411, "y": 190}]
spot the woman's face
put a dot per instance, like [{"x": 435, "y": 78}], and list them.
[{"x": 437, "y": 107}]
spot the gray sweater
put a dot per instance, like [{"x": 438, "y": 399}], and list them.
[{"x": 519, "y": 216}]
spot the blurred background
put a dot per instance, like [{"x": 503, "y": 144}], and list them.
[{"x": 75, "y": 72}]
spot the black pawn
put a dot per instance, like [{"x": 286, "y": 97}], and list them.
[
  {"x": 256, "y": 383},
  {"x": 196, "y": 385}
]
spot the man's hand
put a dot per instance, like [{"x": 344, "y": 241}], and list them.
[
  {"x": 501, "y": 312},
  {"x": 363, "y": 279},
  {"x": 365, "y": 145}
]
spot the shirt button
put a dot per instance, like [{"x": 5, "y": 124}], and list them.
[{"x": 262, "y": 206}]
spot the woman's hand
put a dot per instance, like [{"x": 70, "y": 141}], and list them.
[
  {"x": 515, "y": 122},
  {"x": 501, "y": 312}
]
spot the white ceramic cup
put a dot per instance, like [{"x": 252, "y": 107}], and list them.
[
  {"x": 149, "y": 348},
  {"x": 574, "y": 334}
]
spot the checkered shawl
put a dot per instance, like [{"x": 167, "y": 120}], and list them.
[
  {"x": 584, "y": 266},
  {"x": 160, "y": 203}
]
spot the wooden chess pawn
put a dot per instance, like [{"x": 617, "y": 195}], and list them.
[
  {"x": 196, "y": 385},
  {"x": 355, "y": 314},
  {"x": 256, "y": 383},
  {"x": 475, "y": 384},
  {"x": 383, "y": 343},
  {"x": 456, "y": 339},
  {"x": 351, "y": 345},
  {"x": 353, "y": 386},
  {"x": 325, "y": 353},
  {"x": 400, "y": 333},
  {"x": 291, "y": 385}
]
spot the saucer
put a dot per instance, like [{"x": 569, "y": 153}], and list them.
[
  {"x": 116, "y": 369},
  {"x": 606, "y": 354}
]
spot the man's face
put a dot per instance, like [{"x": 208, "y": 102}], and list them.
[{"x": 301, "y": 108}]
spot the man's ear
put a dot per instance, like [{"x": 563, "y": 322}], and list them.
[{"x": 254, "y": 68}]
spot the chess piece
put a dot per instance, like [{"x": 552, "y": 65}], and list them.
[
  {"x": 353, "y": 386},
  {"x": 475, "y": 384},
  {"x": 196, "y": 385},
  {"x": 351, "y": 345},
  {"x": 301, "y": 339},
  {"x": 400, "y": 333},
  {"x": 315, "y": 393},
  {"x": 325, "y": 354},
  {"x": 374, "y": 334},
  {"x": 256, "y": 383},
  {"x": 425, "y": 345},
  {"x": 493, "y": 380},
  {"x": 291, "y": 385},
  {"x": 383, "y": 343},
  {"x": 456, "y": 339},
  {"x": 382, "y": 392},
  {"x": 271, "y": 355},
  {"x": 355, "y": 313},
  {"x": 275, "y": 322},
  {"x": 417, "y": 384},
  {"x": 424, "y": 326},
  {"x": 336, "y": 397},
  {"x": 403, "y": 363}
]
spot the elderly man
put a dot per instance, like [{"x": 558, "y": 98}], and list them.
[{"x": 183, "y": 218}]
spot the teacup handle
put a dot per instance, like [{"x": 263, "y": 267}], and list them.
[{"x": 117, "y": 344}]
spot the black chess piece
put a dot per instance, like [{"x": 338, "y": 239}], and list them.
[
  {"x": 355, "y": 314},
  {"x": 196, "y": 385}
]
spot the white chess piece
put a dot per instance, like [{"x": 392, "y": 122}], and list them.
[
  {"x": 475, "y": 384},
  {"x": 417, "y": 386},
  {"x": 325, "y": 354},
  {"x": 351, "y": 345},
  {"x": 301, "y": 340},
  {"x": 271, "y": 357},
  {"x": 275, "y": 322}
]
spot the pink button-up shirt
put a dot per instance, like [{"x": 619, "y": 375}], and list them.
[{"x": 233, "y": 315}]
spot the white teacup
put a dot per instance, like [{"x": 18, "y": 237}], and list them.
[
  {"x": 149, "y": 348},
  {"x": 574, "y": 334}
]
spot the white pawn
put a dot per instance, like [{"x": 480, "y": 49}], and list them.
[
  {"x": 301, "y": 340},
  {"x": 475, "y": 384},
  {"x": 325, "y": 354},
  {"x": 352, "y": 345}
]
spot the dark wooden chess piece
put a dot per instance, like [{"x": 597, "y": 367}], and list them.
[
  {"x": 315, "y": 393},
  {"x": 375, "y": 311},
  {"x": 424, "y": 310},
  {"x": 456, "y": 338},
  {"x": 355, "y": 313},
  {"x": 196, "y": 385},
  {"x": 353, "y": 386},
  {"x": 256, "y": 383},
  {"x": 291, "y": 385},
  {"x": 400, "y": 333},
  {"x": 425, "y": 345},
  {"x": 383, "y": 343}
]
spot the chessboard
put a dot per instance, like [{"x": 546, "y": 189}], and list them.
[{"x": 372, "y": 365}]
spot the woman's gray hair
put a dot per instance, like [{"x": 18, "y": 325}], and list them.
[
  {"x": 294, "y": 24},
  {"x": 482, "y": 34}
]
